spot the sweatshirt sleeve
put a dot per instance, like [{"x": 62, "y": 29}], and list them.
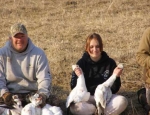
[
  {"x": 74, "y": 77},
  {"x": 43, "y": 75},
  {"x": 73, "y": 80},
  {"x": 117, "y": 84},
  {"x": 143, "y": 52},
  {"x": 3, "y": 87}
]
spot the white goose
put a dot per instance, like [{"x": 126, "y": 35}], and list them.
[
  {"x": 79, "y": 93},
  {"x": 34, "y": 109},
  {"x": 103, "y": 93}
]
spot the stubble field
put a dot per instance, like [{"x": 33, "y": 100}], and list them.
[{"x": 60, "y": 28}]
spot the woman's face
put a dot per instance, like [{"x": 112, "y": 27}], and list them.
[{"x": 94, "y": 50}]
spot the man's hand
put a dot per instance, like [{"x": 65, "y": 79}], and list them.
[
  {"x": 43, "y": 97},
  {"x": 7, "y": 97}
]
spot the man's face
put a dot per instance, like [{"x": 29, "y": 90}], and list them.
[{"x": 19, "y": 42}]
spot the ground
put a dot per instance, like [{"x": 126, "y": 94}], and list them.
[{"x": 60, "y": 28}]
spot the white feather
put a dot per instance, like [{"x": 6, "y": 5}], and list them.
[{"x": 51, "y": 110}]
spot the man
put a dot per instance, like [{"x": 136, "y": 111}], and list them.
[
  {"x": 143, "y": 58},
  {"x": 23, "y": 68}
]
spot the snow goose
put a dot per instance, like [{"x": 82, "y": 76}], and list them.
[
  {"x": 79, "y": 92},
  {"x": 34, "y": 109},
  {"x": 103, "y": 93}
]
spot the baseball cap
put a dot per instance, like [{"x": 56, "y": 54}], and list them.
[{"x": 18, "y": 28}]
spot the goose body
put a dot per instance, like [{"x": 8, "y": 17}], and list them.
[
  {"x": 33, "y": 108},
  {"x": 103, "y": 93},
  {"x": 79, "y": 93}
]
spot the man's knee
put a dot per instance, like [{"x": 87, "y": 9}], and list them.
[
  {"x": 1, "y": 110},
  {"x": 4, "y": 111}
]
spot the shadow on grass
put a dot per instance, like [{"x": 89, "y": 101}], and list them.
[{"x": 59, "y": 96}]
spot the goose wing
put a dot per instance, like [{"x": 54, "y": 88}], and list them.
[
  {"x": 100, "y": 95},
  {"x": 71, "y": 96}
]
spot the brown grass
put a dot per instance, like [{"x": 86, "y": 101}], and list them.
[{"x": 60, "y": 28}]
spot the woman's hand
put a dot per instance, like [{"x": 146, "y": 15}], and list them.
[
  {"x": 78, "y": 71},
  {"x": 118, "y": 70}
]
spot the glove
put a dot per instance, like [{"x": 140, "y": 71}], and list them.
[
  {"x": 43, "y": 96},
  {"x": 7, "y": 98}
]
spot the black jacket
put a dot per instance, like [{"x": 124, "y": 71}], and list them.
[{"x": 96, "y": 73}]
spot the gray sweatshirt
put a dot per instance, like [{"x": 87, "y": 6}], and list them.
[{"x": 24, "y": 72}]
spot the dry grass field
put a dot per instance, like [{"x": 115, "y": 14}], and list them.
[{"x": 60, "y": 28}]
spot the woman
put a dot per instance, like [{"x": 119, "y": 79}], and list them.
[{"x": 97, "y": 67}]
